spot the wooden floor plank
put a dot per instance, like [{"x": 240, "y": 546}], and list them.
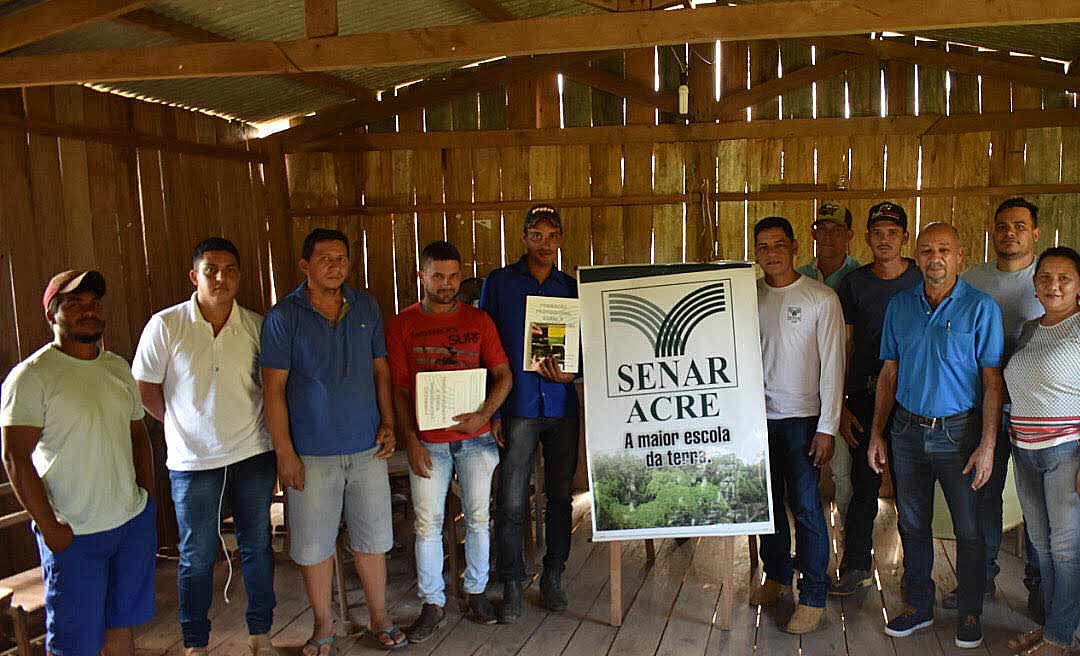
[
  {"x": 594, "y": 635},
  {"x": 692, "y": 616},
  {"x": 739, "y": 641},
  {"x": 645, "y": 621}
]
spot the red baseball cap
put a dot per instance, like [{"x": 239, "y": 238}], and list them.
[{"x": 68, "y": 282}]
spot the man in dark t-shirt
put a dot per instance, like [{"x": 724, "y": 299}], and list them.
[{"x": 864, "y": 296}]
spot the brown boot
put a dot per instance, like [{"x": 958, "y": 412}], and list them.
[
  {"x": 768, "y": 593},
  {"x": 259, "y": 645},
  {"x": 804, "y": 620}
]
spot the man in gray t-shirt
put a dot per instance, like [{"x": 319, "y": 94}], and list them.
[{"x": 1009, "y": 279}]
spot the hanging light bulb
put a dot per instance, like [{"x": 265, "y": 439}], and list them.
[{"x": 684, "y": 95}]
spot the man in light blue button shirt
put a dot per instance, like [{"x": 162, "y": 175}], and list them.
[{"x": 942, "y": 345}]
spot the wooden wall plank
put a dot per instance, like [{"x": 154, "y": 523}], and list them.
[
  {"x": 938, "y": 170},
  {"x": 830, "y": 92},
  {"x": 459, "y": 224},
  {"x": 487, "y": 225},
  {"x": 427, "y": 182},
  {"x": 867, "y": 172},
  {"x": 963, "y": 89},
  {"x": 669, "y": 229},
  {"x": 901, "y": 171},
  {"x": 607, "y": 108},
  {"x": 972, "y": 214},
  {"x": 17, "y": 215},
  {"x": 799, "y": 170},
  {"x": 796, "y": 54},
  {"x": 900, "y": 82},
  {"x": 576, "y": 104},
  {"x": 931, "y": 97},
  {"x": 105, "y": 212},
  {"x": 702, "y": 78},
  {"x": 731, "y": 221},
  {"x": 404, "y": 249},
  {"x": 521, "y": 104},
  {"x": 638, "y": 166},
  {"x": 573, "y": 182},
  {"x": 733, "y": 74},
  {"x": 514, "y": 162},
  {"x": 700, "y": 161},
  {"x": 79, "y": 234},
  {"x": 864, "y": 89},
  {"x": 1069, "y": 218},
  {"x": 605, "y": 161},
  {"x": 763, "y": 168},
  {"x": 378, "y": 186},
  {"x": 670, "y": 62},
  {"x": 344, "y": 185},
  {"x": 764, "y": 57},
  {"x": 164, "y": 286},
  {"x": 44, "y": 158},
  {"x": 492, "y": 109}
]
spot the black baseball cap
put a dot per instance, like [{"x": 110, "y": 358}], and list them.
[
  {"x": 886, "y": 211},
  {"x": 538, "y": 213},
  {"x": 834, "y": 212}
]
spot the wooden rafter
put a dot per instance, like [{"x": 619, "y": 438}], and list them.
[
  {"x": 609, "y": 31},
  {"x": 52, "y": 17},
  {"x": 927, "y": 124},
  {"x": 826, "y": 68},
  {"x": 619, "y": 86},
  {"x": 320, "y": 18},
  {"x": 151, "y": 20},
  {"x": 348, "y": 115},
  {"x": 886, "y": 49}
]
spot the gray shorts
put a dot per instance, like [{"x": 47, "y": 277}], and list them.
[{"x": 354, "y": 486}]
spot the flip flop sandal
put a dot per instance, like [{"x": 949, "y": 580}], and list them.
[
  {"x": 388, "y": 638},
  {"x": 318, "y": 644}
]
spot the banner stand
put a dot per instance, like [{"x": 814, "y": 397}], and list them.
[{"x": 727, "y": 579}]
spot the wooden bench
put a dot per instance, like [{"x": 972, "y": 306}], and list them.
[{"x": 22, "y": 595}]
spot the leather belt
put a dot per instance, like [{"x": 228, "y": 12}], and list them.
[{"x": 935, "y": 422}]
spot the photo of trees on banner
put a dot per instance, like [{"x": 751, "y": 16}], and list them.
[{"x": 674, "y": 406}]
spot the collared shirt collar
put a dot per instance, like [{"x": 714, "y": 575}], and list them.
[
  {"x": 522, "y": 267},
  {"x": 301, "y": 298},
  {"x": 197, "y": 317},
  {"x": 959, "y": 290},
  {"x": 849, "y": 263}
]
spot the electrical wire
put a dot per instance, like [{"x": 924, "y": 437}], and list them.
[{"x": 221, "y": 538}]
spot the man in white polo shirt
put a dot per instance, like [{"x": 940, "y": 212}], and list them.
[{"x": 198, "y": 373}]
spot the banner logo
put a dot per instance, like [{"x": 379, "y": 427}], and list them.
[{"x": 668, "y": 333}]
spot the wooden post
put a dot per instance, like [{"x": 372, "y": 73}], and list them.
[
  {"x": 650, "y": 550},
  {"x": 282, "y": 256},
  {"x": 615, "y": 571},
  {"x": 727, "y": 582}
]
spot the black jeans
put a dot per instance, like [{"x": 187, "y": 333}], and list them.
[
  {"x": 865, "y": 488},
  {"x": 559, "y": 439},
  {"x": 922, "y": 455}
]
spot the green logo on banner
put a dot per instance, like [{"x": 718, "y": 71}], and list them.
[{"x": 668, "y": 333}]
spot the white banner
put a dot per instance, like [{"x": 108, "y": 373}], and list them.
[{"x": 674, "y": 405}]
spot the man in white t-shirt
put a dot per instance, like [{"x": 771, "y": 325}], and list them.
[
  {"x": 197, "y": 371},
  {"x": 1009, "y": 280},
  {"x": 802, "y": 348},
  {"x": 80, "y": 462}
]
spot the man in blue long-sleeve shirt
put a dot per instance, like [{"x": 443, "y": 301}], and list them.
[{"x": 542, "y": 408}]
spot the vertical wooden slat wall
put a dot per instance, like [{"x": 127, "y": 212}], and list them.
[{"x": 135, "y": 214}]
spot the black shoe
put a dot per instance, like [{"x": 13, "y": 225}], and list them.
[
  {"x": 851, "y": 582},
  {"x": 969, "y": 632},
  {"x": 431, "y": 619},
  {"x": 480, "y": 609},
  {"x": 908, "y": 622},
  {"x": 510, "y": 610},
  {"x": 551, "y": 590},
  {"x": 1036, "y": 606},
  {"x": 951, "y": 600}
]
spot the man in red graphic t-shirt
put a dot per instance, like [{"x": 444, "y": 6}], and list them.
[{"x": 441, "y": 334}]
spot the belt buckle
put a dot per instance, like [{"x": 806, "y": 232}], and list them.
[{"x": 933, "y": 423}]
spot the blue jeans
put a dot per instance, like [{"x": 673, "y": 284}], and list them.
[
  {"x": 474, "y": 461},
  {"x": 559, "y": 438},
  {"x": 248, "y": 484},
  {"x": 991, "y": 512},
  {"x": 1046, "y": 482},
  {"x": 921, "y": 455},
  {"x": 794, "y": 476}
]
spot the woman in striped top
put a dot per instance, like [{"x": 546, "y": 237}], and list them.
[{"x": 1044, "y": 383}]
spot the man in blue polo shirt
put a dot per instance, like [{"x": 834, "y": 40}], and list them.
[
  {"x": 542, "y": 408},
  {"x": 941, "y": 344},
  {"x": 326, "y": 388}
]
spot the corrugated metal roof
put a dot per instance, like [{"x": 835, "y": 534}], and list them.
[{"x": 263, "y": 98}]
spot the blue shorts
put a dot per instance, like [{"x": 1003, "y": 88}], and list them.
[{"x": 102, "y": 581}]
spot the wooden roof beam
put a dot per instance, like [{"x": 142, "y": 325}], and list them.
[
  {"x": 45, "y": 19},
  {"x": 155, "y": 22},
  {"x": 613, "y": 84},
  {"x": 828, "y": 67},
  {"x": 887, "y": 49},
  {"x": 479, "y": 41}
]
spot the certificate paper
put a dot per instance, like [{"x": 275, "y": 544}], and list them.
[
  {"x": 551, "y": 330},
  {"x": 443, "y": 395}
]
